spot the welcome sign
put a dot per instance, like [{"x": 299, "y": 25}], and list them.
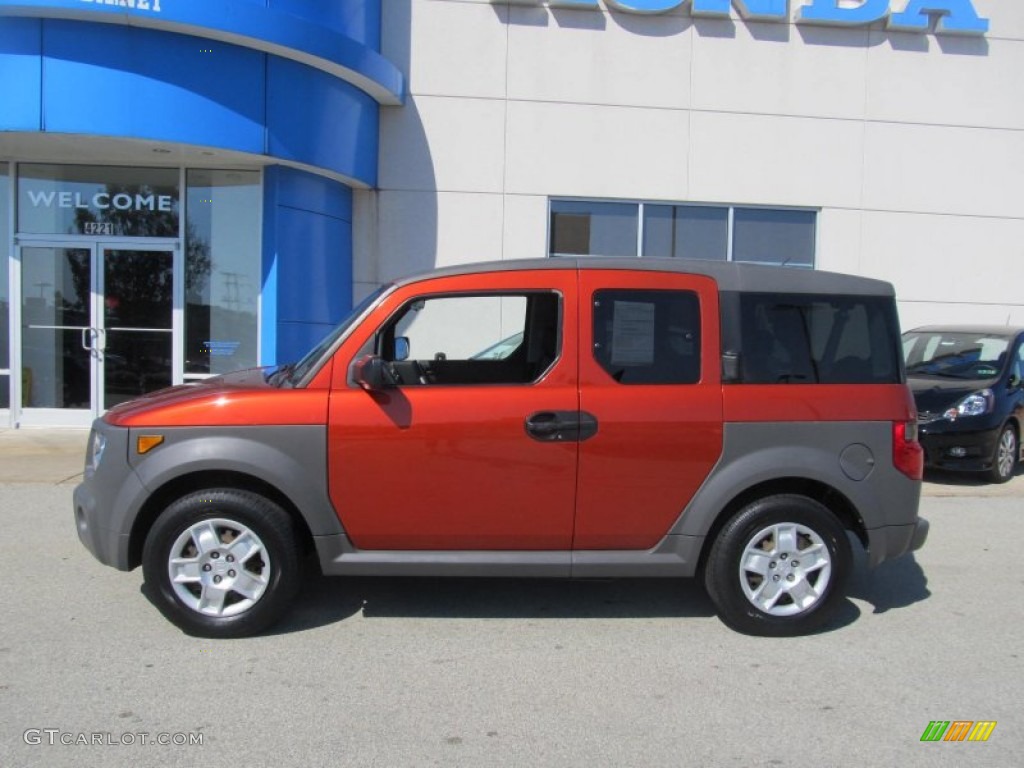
[{"x": 950, "y": 16}]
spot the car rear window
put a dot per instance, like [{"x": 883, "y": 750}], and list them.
[{"x": 813, "y": 339}]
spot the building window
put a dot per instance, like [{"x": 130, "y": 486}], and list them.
[
  {"x": 591, "y": 228},
  {"x": 5, "y": 293},
  {"x": 769, "y": 236},
  {"x": 222, "y": 271},
  {"x": 686, "y": 232},
  {"x": 779, "y": 236},
  {"x": 97, "y": 200}
]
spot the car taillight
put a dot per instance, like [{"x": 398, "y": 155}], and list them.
[{"x": 907, "y": 453}]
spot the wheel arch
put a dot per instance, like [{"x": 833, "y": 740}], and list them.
[
  {"x": 827, "y": 495},
  {"x": 185, "y": 484}
]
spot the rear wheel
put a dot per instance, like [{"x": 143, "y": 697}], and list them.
[
  {"x": 1004, "y": 461},
  {"x": 222, "y": 563},
  {"x": 779, "y": 566}
]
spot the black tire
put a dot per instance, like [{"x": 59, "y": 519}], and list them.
[
  {"x": 241, "y": 540},
  {"x": 1004, "y": 459},
  {"x": 795, "y": 528}
]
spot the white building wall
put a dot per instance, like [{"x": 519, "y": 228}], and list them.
[{"x": 911, "y": 146}]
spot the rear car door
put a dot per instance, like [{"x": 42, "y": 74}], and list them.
[
  {"x": 474, "y": 448},
  {"x": 650, "y": 377}
]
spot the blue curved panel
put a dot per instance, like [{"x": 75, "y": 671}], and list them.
[
  {"x": 252, "y": 25},
  {"x": 104, "y": 79},
  {"x": 140, "y": 83},
  {"x": 316, "y": 119},
  {"x": 21, "y": 75}
]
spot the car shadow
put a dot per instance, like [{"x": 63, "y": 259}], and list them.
[
  {"x": 325, "y": 600},
  {"x": 895, "y": 583}
]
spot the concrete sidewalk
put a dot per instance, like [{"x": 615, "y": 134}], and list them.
[{"x": 42, "y": 455}]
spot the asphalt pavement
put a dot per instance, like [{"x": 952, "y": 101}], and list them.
[{"x": 419, "y": 672}]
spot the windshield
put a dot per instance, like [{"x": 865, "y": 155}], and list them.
[
  {"x": 294, "y": 375},
  {"x": 955, "y": 355}
]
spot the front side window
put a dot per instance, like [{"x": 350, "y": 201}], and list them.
[
  {"x": 222, "y": 271},
  {"x": 493, "y": 339},
  {"x": 818, "y": 339},
  {"x": 648, "y": 337}
]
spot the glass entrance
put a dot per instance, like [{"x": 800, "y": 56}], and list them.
[
  {"x": 137, "y": 334},
  {"x": 97, "y": 328}
]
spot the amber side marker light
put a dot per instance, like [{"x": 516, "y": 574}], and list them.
[{"x": 147, "y": 443}]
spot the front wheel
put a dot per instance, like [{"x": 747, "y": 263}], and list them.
[
  {"x": 1004, "y": 461},
  {"x": 222, "y": 562},
  {"x": 779, "y": 566}
]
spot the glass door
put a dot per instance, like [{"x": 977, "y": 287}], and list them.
[
  {"x": 98, "y": 327},
  {"x": 135, "y": 348},
  {"x": 57, "y": 335}
]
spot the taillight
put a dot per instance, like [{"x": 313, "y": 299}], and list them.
[{"x": 907, "y": 453}]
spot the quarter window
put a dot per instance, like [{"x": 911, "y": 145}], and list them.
[
  {"x": 817, "y": 339},
  {"x": 648, "y": 337}
]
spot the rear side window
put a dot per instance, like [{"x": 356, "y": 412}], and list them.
[
  {"x": 648, "y": 337},
  {"x": 818, "y": 339}
]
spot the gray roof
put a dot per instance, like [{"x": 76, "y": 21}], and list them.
[{"x": 730, "y": 276}]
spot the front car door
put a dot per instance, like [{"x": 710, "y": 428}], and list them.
[{"x": 466, "y": 451}]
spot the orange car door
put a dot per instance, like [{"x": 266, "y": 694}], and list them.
[
  {"x": 474, "y": 449},
  {"x": 650, "y": 376}
]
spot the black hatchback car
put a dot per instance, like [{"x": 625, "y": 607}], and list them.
[{"x": 967, "y": 382}]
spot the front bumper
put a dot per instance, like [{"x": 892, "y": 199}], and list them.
[
  {"x": 969, "y": 451},
  {"x": 106, "y": 501}
]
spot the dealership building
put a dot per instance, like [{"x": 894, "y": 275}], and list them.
[{"x": 189, "y": 187}]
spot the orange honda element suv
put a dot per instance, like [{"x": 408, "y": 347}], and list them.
[{"x": 553, "y": 418}]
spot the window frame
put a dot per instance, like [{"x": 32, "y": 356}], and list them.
[
  {"x": 731, "y": 209},
  {"x": 375, "y": 344}
]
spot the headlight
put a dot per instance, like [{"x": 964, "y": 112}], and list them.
[
  {"x": 977, "y": 404},
  {"x": 99, "y": 444}
]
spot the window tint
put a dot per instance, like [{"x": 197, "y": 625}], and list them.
[
  {"x": 767, "y": 236},
  {"x": 506, "y": 339},
  {"x": 686, "y": 232},
  {"x": 798, "y": 339},
  {"x": 648, "y": 337},
  {"x": 593, "y": 228},
  {"x": 777, "y": 236}
]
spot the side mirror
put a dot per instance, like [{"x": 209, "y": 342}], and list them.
[
  {"x": 402, "y": 348},
  {"x": 373, "y": 374}
]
